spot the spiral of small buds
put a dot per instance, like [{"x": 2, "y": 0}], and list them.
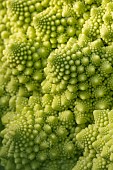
[
  {"x": 21, "y": 12},
  {"x": 57, "y": 24},
  {"x": 75, "y": 73},
  {"x": 34, "y": 138},
  {"x": 97, "y": 138},
  {"x": 56, "y": 84}
]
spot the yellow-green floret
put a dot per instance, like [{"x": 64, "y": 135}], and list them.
[
  {"x": 75, "y": 74},
  {"x": 34, "y": 139},
  {"x": 56, "y": 84},
  {"x": 97, "y": 142}
]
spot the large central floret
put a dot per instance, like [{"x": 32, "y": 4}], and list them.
[{"x": 81, "y": 74}]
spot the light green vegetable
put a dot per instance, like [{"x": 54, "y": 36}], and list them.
[{"x": 56, "y": 84}]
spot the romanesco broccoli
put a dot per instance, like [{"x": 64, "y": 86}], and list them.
[{"x": 56, "y": 84}]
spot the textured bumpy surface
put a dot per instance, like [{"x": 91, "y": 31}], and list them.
[
  {"x": 97, "y": 141},
  {"x": 56, "y": 84}
]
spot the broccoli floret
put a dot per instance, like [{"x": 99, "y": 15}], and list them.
[
  {"x": 97, "y": 139},
  {"x": 56, "y": 84},
  {"x": 74, "y": 74},
  {"x": 33, "y": 138}
]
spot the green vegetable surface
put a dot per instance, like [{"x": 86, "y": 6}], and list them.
[{"x": 56, "y": 84}]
